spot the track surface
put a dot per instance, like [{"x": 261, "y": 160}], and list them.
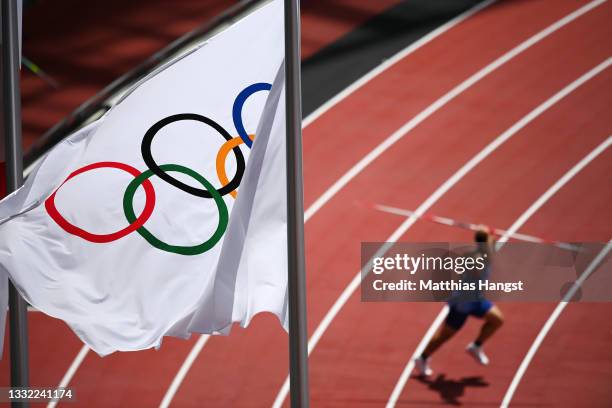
[{"x": 361, "y": 356}]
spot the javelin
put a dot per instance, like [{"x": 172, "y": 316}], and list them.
[{"x": 473, "y": 227}]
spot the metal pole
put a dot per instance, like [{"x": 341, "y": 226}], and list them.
[
  {"x": 14, "y": 180},
  {"x": 298, "y": 330}
]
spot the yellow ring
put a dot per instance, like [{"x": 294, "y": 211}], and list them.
[{"x": 222, "y": 156}]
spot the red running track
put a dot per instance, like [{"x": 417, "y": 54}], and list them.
[
  {"x": 573, "y": 366},
  {"x": 359, "y": 358},
  {"x": 524, "y": 180},
  {"x": 363, "y": 353},
  {"x": 331, "y": 268},
  {"x": 333, "y": 256}
]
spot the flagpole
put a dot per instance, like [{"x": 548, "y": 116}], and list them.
[
  {"x": 14, "y": 180},
  {"x": 298, "y": 330}
]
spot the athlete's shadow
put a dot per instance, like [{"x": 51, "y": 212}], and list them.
[{"x": 450, "y": 390}]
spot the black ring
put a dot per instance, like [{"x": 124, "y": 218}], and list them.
[{"x": 150, "y": 162}]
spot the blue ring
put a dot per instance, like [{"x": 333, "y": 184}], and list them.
[{"x": 239, "y": 103}]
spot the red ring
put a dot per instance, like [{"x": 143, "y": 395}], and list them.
[{"x": 103, "y": 238}]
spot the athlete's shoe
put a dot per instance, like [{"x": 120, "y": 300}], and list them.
[
  {"x": 478, "y": 354},
  {"x": 422, "y": 366}
]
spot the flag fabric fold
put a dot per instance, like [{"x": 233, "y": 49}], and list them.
[
  {"x": 254, "y": 254},
  {"x": 167, "y": 216}
]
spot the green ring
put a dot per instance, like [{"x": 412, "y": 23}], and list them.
[{"x": 128, "y": 209}]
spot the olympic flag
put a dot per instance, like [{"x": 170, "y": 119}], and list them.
[{"x": 168, "y": 215}]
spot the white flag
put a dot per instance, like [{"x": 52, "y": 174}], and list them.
[{"x": 166, "y": 216}]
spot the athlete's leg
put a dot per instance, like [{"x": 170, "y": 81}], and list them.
[
  {"x": 454, "y": 321},
  {"x": 443, "y": 334},
  {"x": 494, "y": 319}
]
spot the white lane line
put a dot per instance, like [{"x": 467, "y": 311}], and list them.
[
  {"x": 401, "y": 383},
  {"x": 354, "y": 284},
  {"x": 553, "y": 317},
  {"x": 403, "y": 378},
  {"x": 70, "y": 373},
  {"x": 382, "y": 68},
  {"x": 438, "y": 104},
  {"x": 394, "y": 60},
  {"x": 560, "y": 183},
  {"x": 550, "y": 322},
  {"x": 178, "y": 379}
]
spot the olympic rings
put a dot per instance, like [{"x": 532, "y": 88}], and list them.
[
  {"x": 151, "y": 164},
  {"x": 103, "y": 238},
  {"x": 239, "y": 104},
  {"x": 128, "y": 197},
  {"x": 208, "y": 190}
]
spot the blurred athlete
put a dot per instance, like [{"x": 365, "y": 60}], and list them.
[{"x": 459, "y": 310}]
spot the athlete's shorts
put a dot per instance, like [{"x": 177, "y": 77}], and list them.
[{"x": 459, "y": 312}]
